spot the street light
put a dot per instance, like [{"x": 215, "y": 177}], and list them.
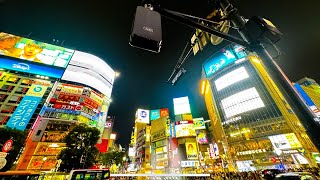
[{"x": 117, "y": 74}]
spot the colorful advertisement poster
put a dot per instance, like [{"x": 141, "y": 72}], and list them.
[
  {"x": 202, "y": 137},
  {"x": 185, "y": 130},
  {"x": 34, "y": 51},
  {"x": 285, "y": 141},
  {"x": 219, "y": 60},
  {"x": 164, "y": 112},
  {"x": 30, "y": 68},
  {"x": 191, "y": 149},
  {"x": 199, "y": 123},
  {"x": 22, "y": 115},
  {"x": 154, "y": 114}
]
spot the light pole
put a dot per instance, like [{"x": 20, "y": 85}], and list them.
[{"x": 308, "y": 119}]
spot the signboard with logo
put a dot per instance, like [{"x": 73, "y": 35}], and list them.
[
  {"x": 164, "y": 112},
  {"x": 223, "y": 58},
  {"x": 22, "y": 115},
  {"x": 189, "y": 163},
  {"x": 202, "y": 137},
  {"x": 184, "y": 129},
  {"x": 199, "y": 123},
  {"x": 7, "y": 146},
  {"x": 154, "y": 114},
  {"x": 191, "y": 149},
  {"x": 142, "y": 116},
  {"x": 35, "y": 51},
  {"x": 31, "y": 68},
  {"x": 285, "y": 141}
]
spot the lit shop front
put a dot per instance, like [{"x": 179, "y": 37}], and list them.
[{"x": 247, "y": 110}]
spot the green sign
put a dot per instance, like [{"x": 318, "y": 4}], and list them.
[{"x": 316, "y": 157}]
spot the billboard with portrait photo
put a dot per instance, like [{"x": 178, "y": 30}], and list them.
[{"x": 35, "y": 51}]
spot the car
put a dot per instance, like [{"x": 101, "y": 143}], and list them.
[
  {"x": 270, "y": 173},
  {"x": 296, "y": 176}
]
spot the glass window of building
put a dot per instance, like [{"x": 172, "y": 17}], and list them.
[{"x": 6, "y": 88}]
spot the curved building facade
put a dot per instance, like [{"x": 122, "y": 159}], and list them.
[{"x": 56, "y": 88}]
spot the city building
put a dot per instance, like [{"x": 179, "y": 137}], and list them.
[
  {"x": 253, "y": 125},
  {"x": 47, "y": 90}
]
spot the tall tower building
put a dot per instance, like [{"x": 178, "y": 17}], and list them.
[{"x": 253, "y": 125}]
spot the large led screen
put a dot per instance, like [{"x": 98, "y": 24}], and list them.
[
  {"x": 241, "y": 96},
  {"x": 181, "y": 105},
  {"x": 90, "y": 70},
  {"x": 240, "y": 102},
  {"x": 35, "y": 51},
  {"x": 231, "y": 78}
]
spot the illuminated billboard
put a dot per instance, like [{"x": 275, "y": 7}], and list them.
[
  {"x": 191, "y": 149},
  {"x": 285, "y": 141},
  {"x": 307, "y": 99},
  {"x": 223, "y": 58},
  {"x": 31, "y": 68},
  {"x": 34, "y": 51},
  {"x": 202, "y": 137},
  {"x": 132, "y": 151},
  {"x": 181, "y": 105},
  {"x": 142, "y": 116},
  {"x": 231, "y": 78},
  {"x": 199, "y": 123},
  {"x": 164, "y": 112},
  {"x": 154, "y": 114},
  {"x": 184, "y": 129},
  {"x": 23, "y": 113},
  {"x": 241, "y": 102},
  {"x": 90, "y": 70},
  {"x": 244, "y": 100}
]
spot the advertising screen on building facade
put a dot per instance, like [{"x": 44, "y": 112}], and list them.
[
  {"x": 241, "y": 95},
  {"x": 34, "y": 51},
  {"x": 184, "y": 129},
  {"x": 142, "y": 116},
  {"x": 90, "y": 70},
  {"x": 181, "y": 105},
  {"x": 223, "y": 58}
]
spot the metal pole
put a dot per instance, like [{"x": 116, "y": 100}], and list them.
[{"x": 307, "y": 118}]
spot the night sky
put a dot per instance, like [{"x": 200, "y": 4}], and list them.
[{"x": 104, "y": 31}]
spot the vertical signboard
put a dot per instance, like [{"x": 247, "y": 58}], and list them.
[
  {"x": 22, "y": 115},
  {"x": 191, "y": 149}
]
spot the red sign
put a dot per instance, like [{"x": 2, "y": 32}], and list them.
[
  {"x": 7, "y": 146},
  {"x": 67, "y": 106},
  {"x": 90, "y": 103},
  {"x": 164, "y": 112}
]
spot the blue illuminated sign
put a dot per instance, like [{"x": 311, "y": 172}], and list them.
[
  {"x": 223, "y": 58},
  {"x": 154, "y": 114},
  {"x": 22, "y": 115},
  {"x": 27, "y": 67},
  {"x": 304, "y": 95}
]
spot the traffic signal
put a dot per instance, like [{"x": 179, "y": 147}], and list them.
[{"x": 146, "y": 30}]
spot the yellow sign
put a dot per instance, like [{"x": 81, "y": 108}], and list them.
[
  {"x": 191, "y": 149},
  {"x": 293, "y": 141},
  {"x": 36, "y": 90}
]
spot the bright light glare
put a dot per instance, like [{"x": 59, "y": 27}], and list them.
[
  {"x": 203, "y": 86},
  {"x": 117, "y": 74}
]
